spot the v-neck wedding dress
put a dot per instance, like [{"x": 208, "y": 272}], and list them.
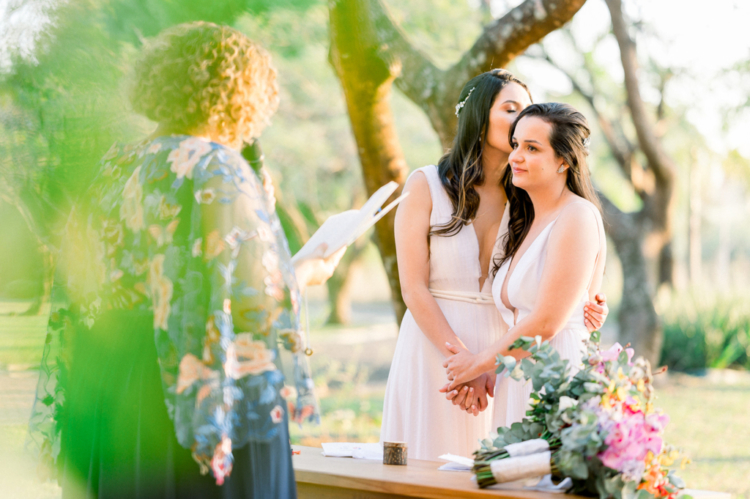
[
  {"x": 512, "y": 397},
  {"x": 414, "y": 411}
]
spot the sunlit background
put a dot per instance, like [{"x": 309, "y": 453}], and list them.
[{"x": 64, "y": 69}]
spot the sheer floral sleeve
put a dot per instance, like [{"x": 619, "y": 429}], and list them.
[{"x": 229, "y": 386}]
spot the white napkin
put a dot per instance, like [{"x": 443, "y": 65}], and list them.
[
  {"x": 456, "y": 463},
  {"x": 353, "y": 449}
]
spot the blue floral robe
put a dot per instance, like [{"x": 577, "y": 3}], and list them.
[{"x": 185, "y": 228}]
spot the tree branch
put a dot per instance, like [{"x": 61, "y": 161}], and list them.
[
  {"x": 434, "y": 90},
  {"x": 622, "y": 149},
  {"x": 510, "y": 35},
  {"x": 658, "y": 161}
]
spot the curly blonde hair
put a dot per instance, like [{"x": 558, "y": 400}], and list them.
[{"x": 201, "y": 77}]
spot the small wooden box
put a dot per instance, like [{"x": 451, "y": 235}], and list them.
[{"x": 394, "y": 453}]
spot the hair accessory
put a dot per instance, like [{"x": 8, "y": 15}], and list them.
[
  {"x": 561, "y": 169},
  {"x": 586, "y": 143},
  {"x": 463, "y": 102}
]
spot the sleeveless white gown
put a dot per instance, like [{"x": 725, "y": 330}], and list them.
[
  {"x": 414, "y": 411},
  {"x": 511, "y": 396}
]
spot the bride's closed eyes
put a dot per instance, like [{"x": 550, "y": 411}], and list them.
[{"x": 511, "y": 106}]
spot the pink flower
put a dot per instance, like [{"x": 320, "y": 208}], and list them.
[
  {"x": 657, "y": 422},
  {"x": 276, "y": 414},
  {"x": 614, "y": 352},
  {"x": 288, "y": 392},
  {"x": 631, "y": 438},
  {"x": 221, "y": 463}
]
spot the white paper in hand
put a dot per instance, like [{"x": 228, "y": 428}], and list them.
[{"x": 343, "y": 229}]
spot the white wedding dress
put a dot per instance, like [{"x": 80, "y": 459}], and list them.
[
  {"x": 414, "y": 411},
  {"x": 511, "y": 396}
]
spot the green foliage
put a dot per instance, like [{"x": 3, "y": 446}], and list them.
[
  {"x": 61, "y": 109},
  {"x": 442, "y": 29},
  {"x": 704, "y": 329}
]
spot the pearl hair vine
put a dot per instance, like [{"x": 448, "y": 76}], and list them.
[{"x": 461, "y": 104}]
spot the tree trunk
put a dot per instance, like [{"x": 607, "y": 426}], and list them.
[
  {"x": 666, "y": 264},
  {"x": 339, "y": 287},
  {"x": 367, "y": 79},
  {"x": 338, "y": 297},
  {"x": 36, "y": 211},
  {"x": 657, "y": 216},
  {"x": 638, "y": 322},
  {"x": 694, "y": 231},
  {"x": 39, "y": 305}
]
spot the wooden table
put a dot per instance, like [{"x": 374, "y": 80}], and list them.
[{"x": 342, "y": 477}]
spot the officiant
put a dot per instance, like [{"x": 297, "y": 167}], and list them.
[{"x": 162, "y": 377}]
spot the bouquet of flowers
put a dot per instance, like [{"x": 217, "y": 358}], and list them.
[{"x": 598, "y": 427}]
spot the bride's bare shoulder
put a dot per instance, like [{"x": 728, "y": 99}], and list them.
[
  {"x": 418, "y": 188},
  {"x": 578, "y": 225},
  {"x": 581, "y": 212}
]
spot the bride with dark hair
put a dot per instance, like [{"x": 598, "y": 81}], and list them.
[
  {"x": 448, "y": 232},
  {"x": 553, "y": 253},
  {"x": 161, "y": 375}
]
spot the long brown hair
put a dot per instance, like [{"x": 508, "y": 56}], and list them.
[
  {"x": 569, "y": 139},
  {"x": 460, "y": 169}
]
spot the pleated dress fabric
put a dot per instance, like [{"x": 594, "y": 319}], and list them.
[
  {"x": 414, "y": 411},
  {"x": 511, "y": 396},
  {"x": 118, "y": 441}
]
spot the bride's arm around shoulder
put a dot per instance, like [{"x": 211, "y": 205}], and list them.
[{"x": 574, "y": 264}]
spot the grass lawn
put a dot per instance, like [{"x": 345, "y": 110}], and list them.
[
  {"x": 21, "y": 338},
  {"x": 709, "y": 414},
  {"x": 708, "y": 419}
]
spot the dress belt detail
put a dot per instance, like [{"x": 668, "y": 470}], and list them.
[{"x": 465, "y": 296}]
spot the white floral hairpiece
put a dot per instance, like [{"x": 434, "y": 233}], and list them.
[
  {"x": 586, "y": 144},
  {"x": 463, "y": 102}
]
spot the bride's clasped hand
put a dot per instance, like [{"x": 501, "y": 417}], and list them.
[
  {"x": 473, "y": 396},
  {"x": 464, "y": 366}
]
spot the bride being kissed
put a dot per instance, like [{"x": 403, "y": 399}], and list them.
[{"x": 463, "y": 222}]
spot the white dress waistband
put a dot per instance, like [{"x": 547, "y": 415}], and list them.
[{"x": 465, "y": 296}]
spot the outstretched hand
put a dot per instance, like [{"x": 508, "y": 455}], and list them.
[
  {"x": 461, "y": 367},
  {"x": 595, "y": 314},
  {"x": 317, "y": 269}
]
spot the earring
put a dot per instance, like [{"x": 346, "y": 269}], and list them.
[{"x": 561, "y": 169}]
